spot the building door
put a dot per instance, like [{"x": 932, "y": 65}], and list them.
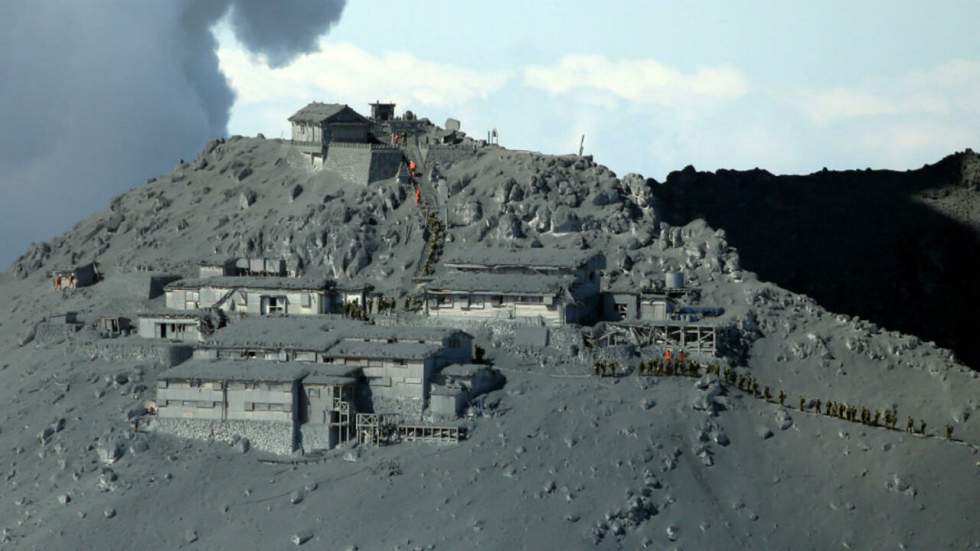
[{"x": 163, "y": 330}]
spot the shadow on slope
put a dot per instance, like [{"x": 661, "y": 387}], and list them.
[{"x": 859, "y": 242}]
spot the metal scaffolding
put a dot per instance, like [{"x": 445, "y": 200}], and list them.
[
  {"x": 380, "y": 429},
  {"x": 693, "y": 337}
]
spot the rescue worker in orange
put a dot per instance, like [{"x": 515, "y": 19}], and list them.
[
  {"x": 411, "y": 168},
  {"x": 418, "y": 196}
]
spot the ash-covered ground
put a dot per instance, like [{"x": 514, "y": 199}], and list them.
[{"x": 560, "y": 459}]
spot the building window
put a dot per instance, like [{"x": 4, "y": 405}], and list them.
[
  {"x": 476, "y": 302},
  {"x": 276, "y": 305},
  {"x": 306, "y": 300},
  {"x": 313, "y": 392},
  {"x": 496, "y": 300},
  {"x": 444, "y": 301}
]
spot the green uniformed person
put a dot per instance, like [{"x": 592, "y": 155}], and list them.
[
  {"x": 802, "y": 403},
  {"x": 877, "y": 417},
  {"x": 767, "y": 394},
  {"x": 909, "y": 425},
  {"x": 782, "y": 397},
  {"x": 817, "y": 406},
  {"x": 922, "y": 426},
  {"x": 830, "y": 406},
  {"x": 949, "y": 432}
]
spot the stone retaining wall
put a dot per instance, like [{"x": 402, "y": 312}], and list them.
[
  {"x": 134, "y": 349},
  {"x": 268, "y": 436}
]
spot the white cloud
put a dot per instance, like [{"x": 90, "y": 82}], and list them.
[
  {"x": 947, "y": 89},
  {"x": 598, "y": 80},
  {"x": 346, "y": 71},
  {"x": 910, "y": 144}
]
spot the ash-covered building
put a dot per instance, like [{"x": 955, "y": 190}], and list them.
[
  {"x": 334, "y": 137},
  {"x": 278, "y": 406},
  {"x": 555, "y": 286},
  {"x": 252, "y": 295},
  {"x": 398, "y": 363}
]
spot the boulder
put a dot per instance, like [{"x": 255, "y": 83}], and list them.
[{"x": 563, "y": 219}]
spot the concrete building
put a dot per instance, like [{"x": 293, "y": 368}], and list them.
[
  {"x": 329, "y": 406},
  {"x": 252, "y": 295},
  {"x": 334, "y": 137},
  {"x": 552, "y": 299},
  {"x": 584, "y": 265},
  {"x": 557, "y": 286},
  {"x": 324, "y": 123},
  {"x": 185, "y": 326},
  {"x": 292, "y": 339},
  {"x": 637, "y": 305},
  {"x": 455, "y": 346},
  {"x": 79, "y": 276},
  {"x": 220, "y": 400},
  {"x": 395, "y": 372},
  {"x": 397, "y": 362}
]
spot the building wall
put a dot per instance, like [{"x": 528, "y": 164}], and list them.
[
  {"x": 389, "y": 379},
  {"x": 248, "y": 301},
  {"x": 317, "y": 437},
  {"x": 351, "y": 161},
  {"x": 149, "y": 328},
  {"x": 307, "y": 132},
  {"x": 316, "y": 301},
  {"x": 180, "y": 400},
  {"x": 385, "y": 163},
  {"x": 280, "y": 398},
  {"x": 319, "y": 403},
  {"x": 363, "y": 163},
  {"x": 347, "y": 132},
  {"x": 551, "y": 314}
]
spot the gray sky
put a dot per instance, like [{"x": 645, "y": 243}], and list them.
[{"x": 97, "y": 96}]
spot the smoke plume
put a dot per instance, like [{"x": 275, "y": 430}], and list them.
[{"x": 97, "y": 96}]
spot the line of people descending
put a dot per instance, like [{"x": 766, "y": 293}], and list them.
[{"x": 679, "y": 365}]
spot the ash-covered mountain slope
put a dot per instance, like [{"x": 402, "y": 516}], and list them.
[
  {"x": 901, "y": 249},
  {"x": 562, "y": 459},
  {"x": 251, "y": 196}
]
